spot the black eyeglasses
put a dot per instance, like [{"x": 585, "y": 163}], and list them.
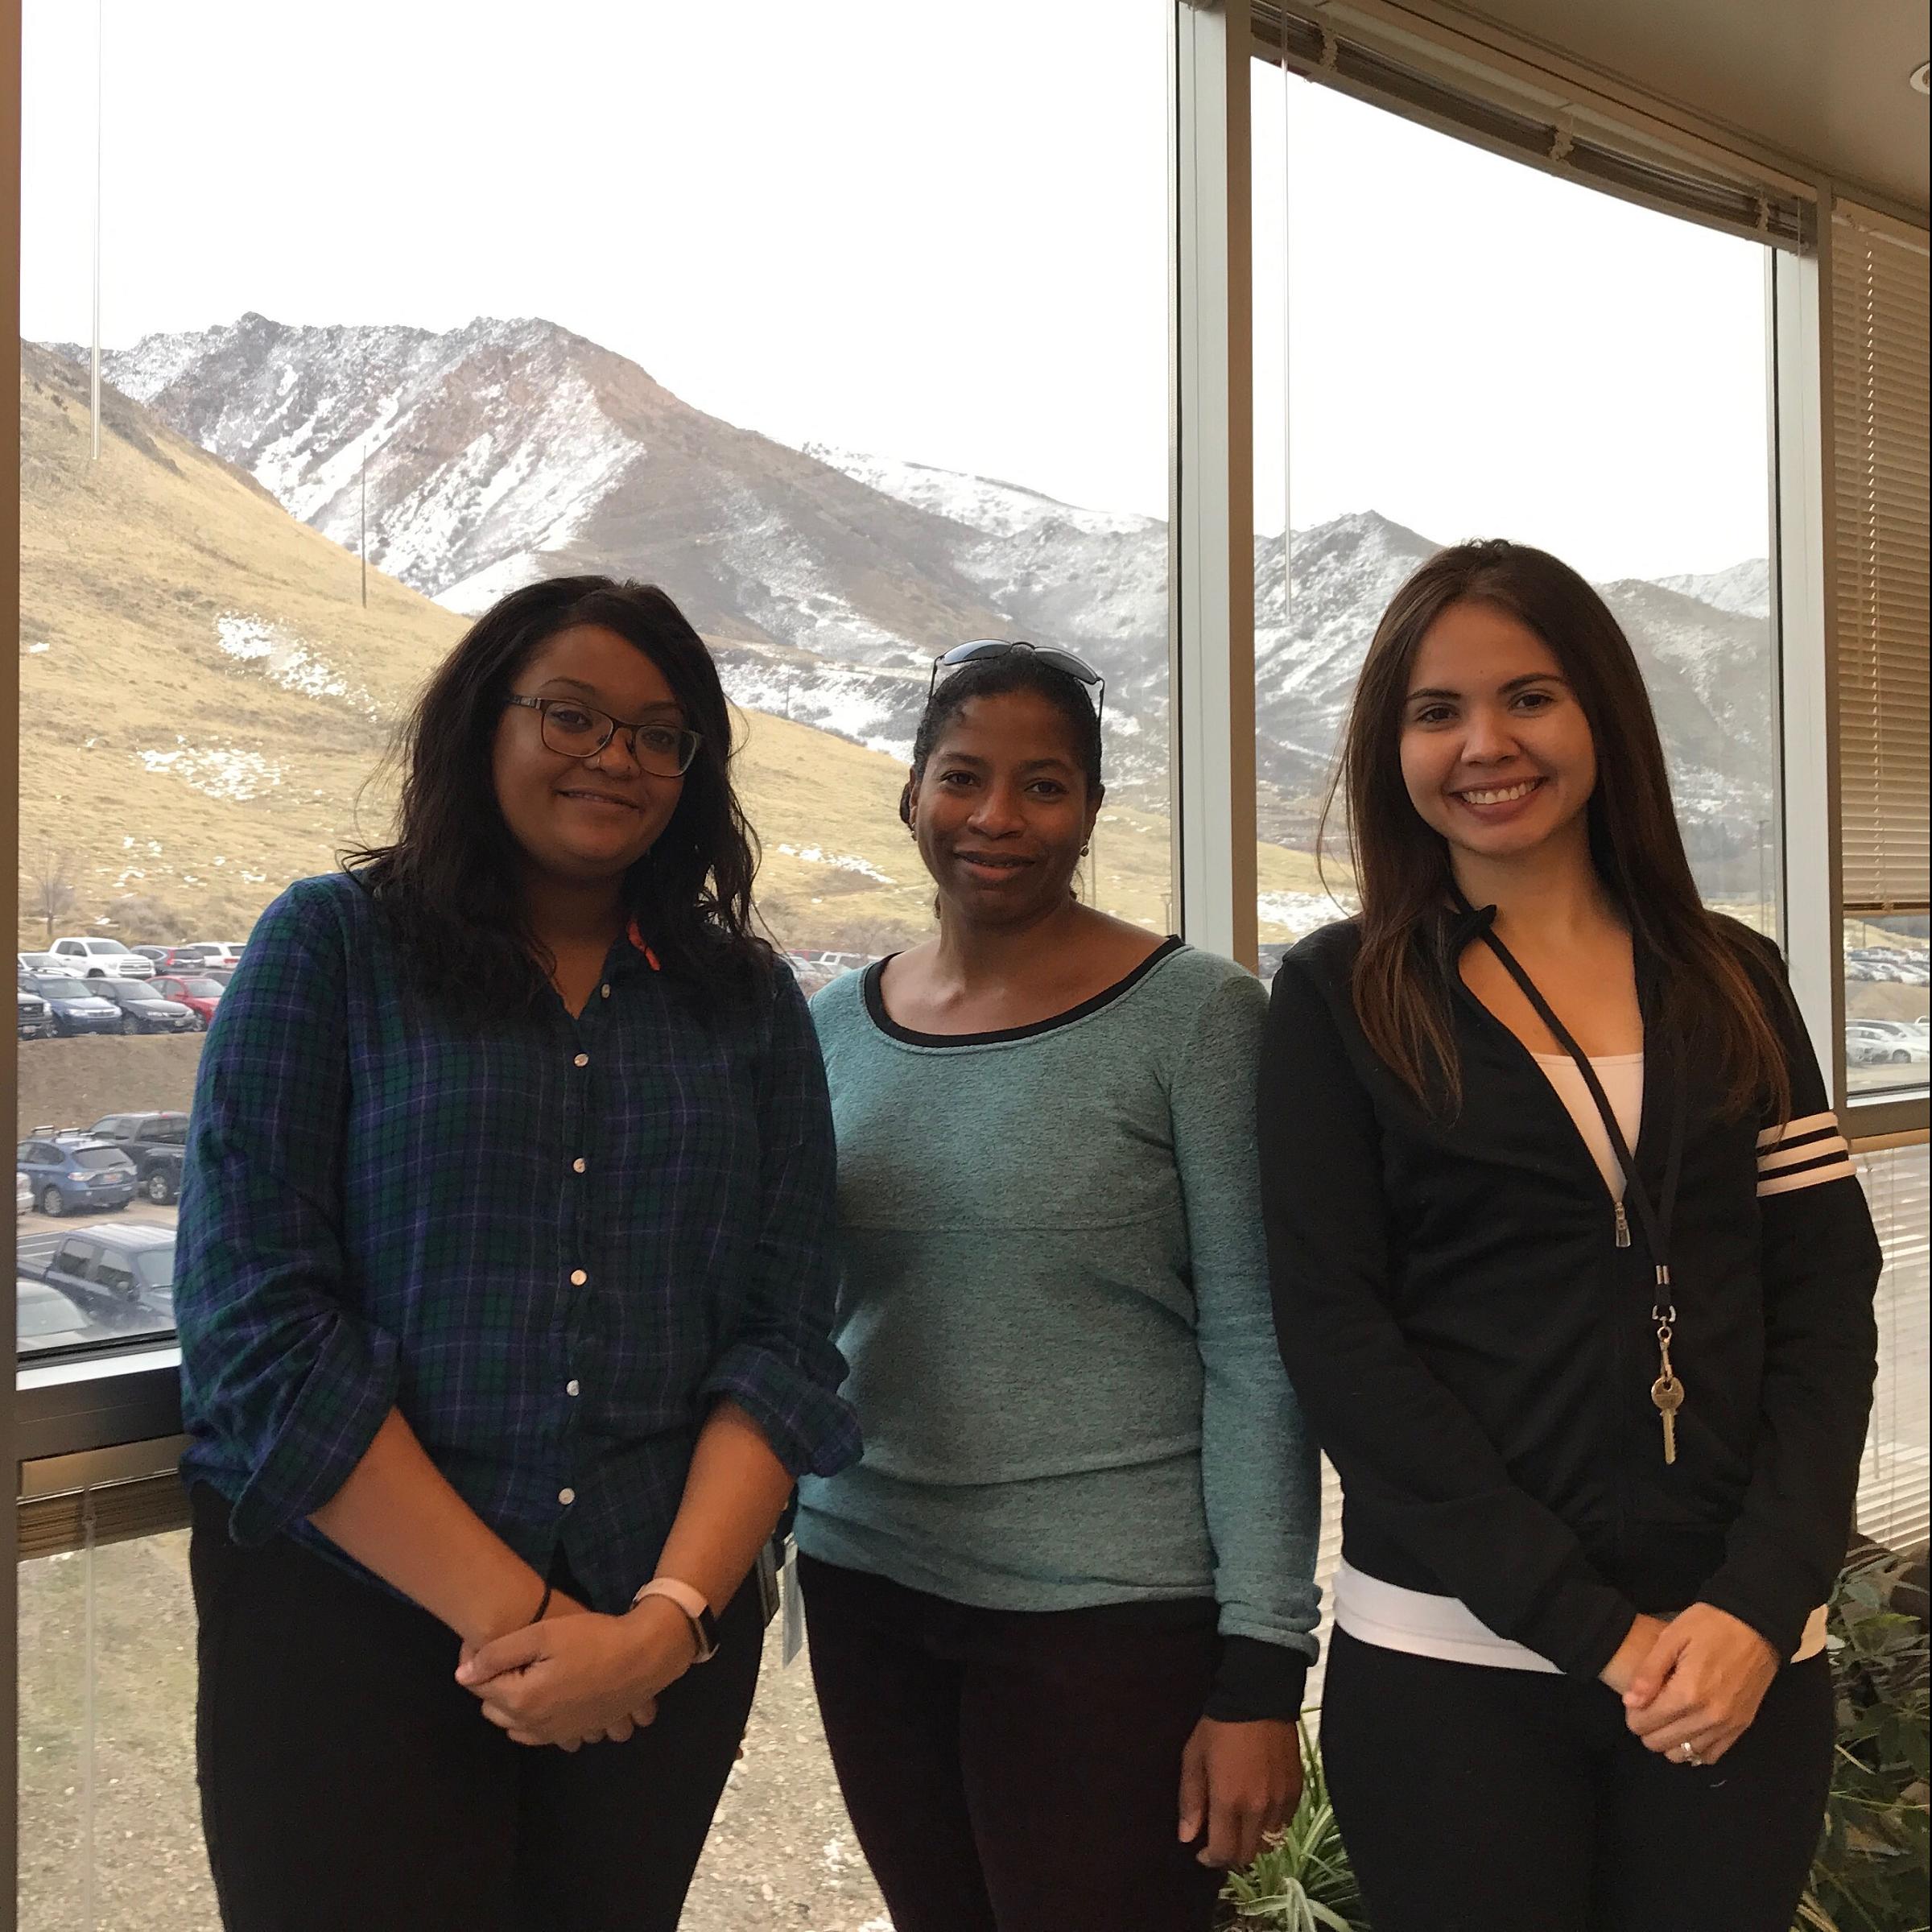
[
  {"x": 574, "y": 730},
  {"x": 978, "y": 649}
]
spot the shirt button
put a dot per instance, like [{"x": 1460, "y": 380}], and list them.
[
  {"x": 567, "y": 1497},
  {"x": 583, "y": 1059},
  {"x": 578, "y": 1164},
  {"x": 578, "y": 1277},
  {"x": 605, "y": 991},
  {"x": 572, "y": 1387}
]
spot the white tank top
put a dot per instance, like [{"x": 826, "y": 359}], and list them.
[{"x": 1427, "y": 1625}]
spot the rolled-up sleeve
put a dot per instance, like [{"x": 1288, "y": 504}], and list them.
[
  {"x": 780, "y": 1366},
  {"x": 283, "y": 1383}
]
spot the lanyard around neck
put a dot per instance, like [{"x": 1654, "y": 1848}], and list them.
[{"x": 1656, "y": 1217}]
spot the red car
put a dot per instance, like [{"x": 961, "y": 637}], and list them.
[{"x": 194, "y": 991}]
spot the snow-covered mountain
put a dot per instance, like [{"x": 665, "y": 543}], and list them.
[
  {"x": 495, "y": 453},
  {"x": 1744, "y": 589}
]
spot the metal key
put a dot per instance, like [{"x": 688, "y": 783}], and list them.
[{"x": 1667, "y": 1393}]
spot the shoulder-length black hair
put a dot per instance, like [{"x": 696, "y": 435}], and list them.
[
  {"x": 447, "y": 884},
  {"x": 1711, "y": 992}
]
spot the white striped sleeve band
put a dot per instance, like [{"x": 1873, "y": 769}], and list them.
[{"x": 1802, "y": 1154}]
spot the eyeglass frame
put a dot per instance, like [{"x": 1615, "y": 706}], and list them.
[
  {"x": 976, "y": 650},
  {"x": 693, "y": 740}
]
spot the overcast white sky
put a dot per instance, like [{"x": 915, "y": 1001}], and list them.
[{"x": 937, "y": 232}]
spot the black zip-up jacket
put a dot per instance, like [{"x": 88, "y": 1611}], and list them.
[{"x": 1476, "y": 1353}]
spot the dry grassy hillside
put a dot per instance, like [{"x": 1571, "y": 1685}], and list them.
[
  {"x": 204, "y": 702},
  {"x": 166, "y": 768}
]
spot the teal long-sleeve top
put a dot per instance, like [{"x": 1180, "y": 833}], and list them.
[{"x": 1054, "y": 1297}]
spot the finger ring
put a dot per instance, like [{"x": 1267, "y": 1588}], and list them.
[{"x": 1686, "y": 1755}]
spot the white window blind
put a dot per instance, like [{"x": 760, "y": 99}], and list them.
[{"x": 1879, "y": 344}]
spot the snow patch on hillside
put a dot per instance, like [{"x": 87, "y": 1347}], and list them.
[
  {"x": 470, "y": 597},
  {"x": 1293, "y": 915},
  {"x": 285, "y": 660},
  {"x": 812, "y": 855},
  {"x": 877, "y": 709},
  {"x": 218, "y": 771}
]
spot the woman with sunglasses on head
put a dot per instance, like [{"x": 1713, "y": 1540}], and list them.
[
  {"x": 1574, "y": 1276},
  {"x": 504, "y": 1291},
  {"x": 1061, "y": 1614}
]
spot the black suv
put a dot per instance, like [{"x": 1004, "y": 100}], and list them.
[{"x": 156, "y": 1143}]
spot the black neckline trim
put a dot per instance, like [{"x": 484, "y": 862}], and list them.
[{"x": 874, "y": 975}]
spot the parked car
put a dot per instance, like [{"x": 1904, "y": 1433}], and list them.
[
  {"x": 121, "y": 1277},
  {"x": 203, "y": 952},
  {"x": 154, "y": 954},
  {"x": 33, "y": 1016},
  {"x": 23, "y": 1195},
  {"x": 1908, "y": 1033},
  {"x": 79, "y": 1005},
  {"x": 36, "y": 965},
  {"x": 144, "y": 1010},
  {"x": 45, "y": 1318},
  {"x": 102, "y": 959},
  {"x": 69, "y": 1171},
  {"x": 156, "y": 1143},
  {"x": 1869, "y": 1045},
  {"x": 196, "y": 992}
]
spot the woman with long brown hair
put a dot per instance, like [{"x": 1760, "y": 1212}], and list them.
[
  {"x": 505, "y": 1278},
  {"x": 1573, "y": 1275}
]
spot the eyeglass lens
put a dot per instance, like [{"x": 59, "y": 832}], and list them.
[{"x": 580, "y": 731}]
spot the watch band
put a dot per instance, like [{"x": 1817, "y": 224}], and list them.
[{"x": 697, "y": 1612}]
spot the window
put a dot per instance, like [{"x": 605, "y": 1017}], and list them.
[
  {"x": 1591, "y": 380},
  {"x": 842, "y": 458},
  {"x": 110, "y": 1832},
  {"x": 908, "y": 389},
  {"x": 1895, "y": 1479},
  {"x": 1881, "y": 331}
]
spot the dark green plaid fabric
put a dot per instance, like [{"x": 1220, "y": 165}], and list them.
[{"x": 552, "y": 1244}]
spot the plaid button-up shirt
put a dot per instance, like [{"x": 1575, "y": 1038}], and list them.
[{"x": 552, "y": 1244}]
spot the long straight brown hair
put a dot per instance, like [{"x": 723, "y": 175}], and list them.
[{"x": 1400, "y": 984}]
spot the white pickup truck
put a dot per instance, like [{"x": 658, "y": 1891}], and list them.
[{"x": 95, "y": 958}]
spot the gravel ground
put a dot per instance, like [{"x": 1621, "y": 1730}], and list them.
[{"x": 781, "y": 1857}]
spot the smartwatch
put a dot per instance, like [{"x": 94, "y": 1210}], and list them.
[{"x": 697, "y": 1612}]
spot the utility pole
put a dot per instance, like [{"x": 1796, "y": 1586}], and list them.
[{"x": 100, "y": 59}]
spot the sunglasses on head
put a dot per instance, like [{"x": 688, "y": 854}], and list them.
[{"x": 976, "y": 650}]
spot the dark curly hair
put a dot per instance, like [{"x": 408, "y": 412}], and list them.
[
  {"x": 995, "y": 677},
  {"x": 447, "y": 884}
]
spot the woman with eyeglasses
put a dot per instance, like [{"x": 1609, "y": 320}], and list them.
[
  {"x": 1573, "y": 1274},
  {"x": 1061, "y": 1614},
  {"x": 504, "y": 1292}
]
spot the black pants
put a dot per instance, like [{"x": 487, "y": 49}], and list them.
[
  {"x": 1478, "y": 1800},
  {"x": 1013, "y": 1772},
  {"x": 348, "y": 1780}
]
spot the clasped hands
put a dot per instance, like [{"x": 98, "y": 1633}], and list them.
[
  {"x": 1697, "y": 1679},
  {"x": 577, "y": 1676}
]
